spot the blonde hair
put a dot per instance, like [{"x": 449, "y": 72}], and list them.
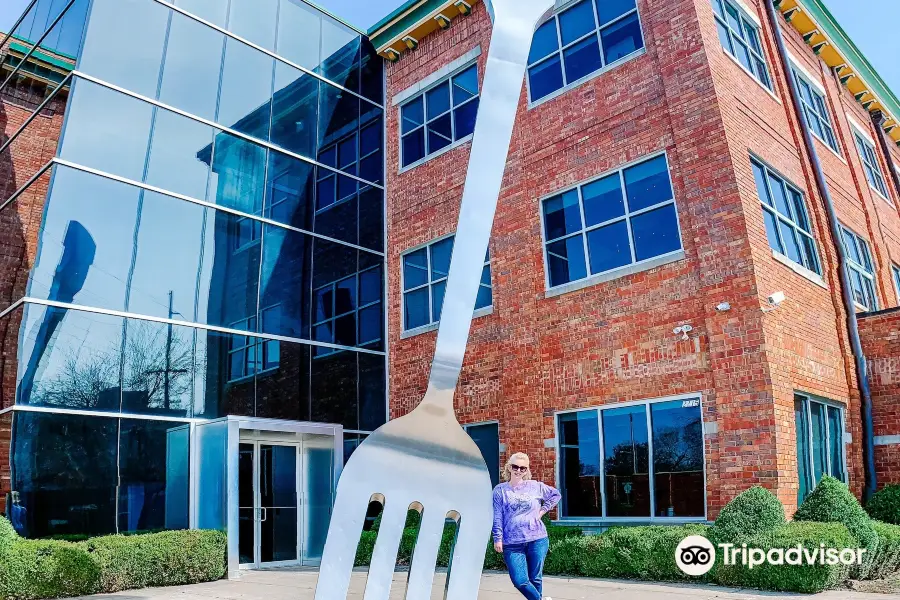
[{"x": 507, "y": 472}]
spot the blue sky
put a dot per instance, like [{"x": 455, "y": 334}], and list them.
[{"x": 872, "y": 27}]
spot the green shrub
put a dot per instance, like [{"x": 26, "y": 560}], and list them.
[
  {"x": 803, "y": 578},
  {"x": 8, "y": 535},
  {"x": 832, "y": 502},
  {"x": 34, "y": 569},
  {"x": 158, "y": 559},
  {"x": 753, "y": 512},
  {"x": 886, "y": 562},
  {"x": 885, "y": 505}
]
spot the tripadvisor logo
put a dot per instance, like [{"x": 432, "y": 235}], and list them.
[{"x": 696, "y": 556}]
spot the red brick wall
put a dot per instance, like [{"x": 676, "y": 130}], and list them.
[
  {"x": 613, "y": 341},
  {"x": 880, "y": 333}
]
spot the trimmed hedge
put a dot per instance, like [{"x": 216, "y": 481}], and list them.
[
  {"x": 886, "y": 562},
  {"x": 751, "y": 513},
  {"x": 833, "y": 502},
  {"x": 885, "y": 505},
  {"x": 36, "y": 569}
]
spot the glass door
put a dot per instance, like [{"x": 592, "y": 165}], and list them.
[{"x": 268, "y": 503}]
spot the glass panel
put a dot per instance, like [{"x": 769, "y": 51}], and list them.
[
  {"x": 245, "y": 97},
  {"x": 545, "y": 78},
  {"x": 371, "y": 83},
  {"x": 289, "y": 191},
  {"x": 762, "y": 189},
  {"x": 413, "y": 147},
  {"x": 678, "y": 459},
  {"x": 622, "y": 38},
  {"x": 437, "y": 300},
  {"x": 655, "y": 233},
  {"x": 850, "y": 246},
  {"x": 63, "y": 474},
  {"x": 772, "y": 231},
  {"x": 608, "y": 10},
  {"x": 213, "y": 11},
  {"x": 416, "y": 310},
  {"x": 818, "y": 414},
  {"x": 334, "y": 389},
  {"x": 285, "y": 281},
  {"x": 562, "y": 215},
  {"x": 190, "y": 79},
  {"x": 799, "y": 210},
  {"x": 626, "y": 459},
  {"x": 582, "y": 59},
  {"x": 179, "y": 155},
  {"x": 791, "y": 246},
  {"x": 565, "y": 260},
  {"x": 465, "y": 85},
  {"x": 802, "y": 425},
  {"x": 608, "y": 247},
  {"x": 576, "y": 22},
  {"x": 437, "y": 100},
  {"x": 440, "y": 258},
  {"x": 318, "y": 481},
  {"x": 464, "y": 119},
  {"x": 413, "y": 114},
  {"x": 107, "y": 130},
  {"x": 485, "y": 295},
  {"x": 153, "y": 475},
  {"x": 338, "y": 115},
  {"x": 278, "y": 498},
  {"x": 246, "y": 505},
  {"x": 238, "y": 177},
  {"x": 254, "y": 20},
  {"x": 808, "y": 248},
  {"x": 371, "y": 218},
  {"x": 282, "y": 388},
  {"x": 781, "y": 201},
  {"x": 294, "y": 107},
  {"x": 579, "y": 464},
  {"x": 724, "y": 36},
  {"x": 340, "y": 54},
  {"x": 487, "y": 438},
  {"x": 603, "y": 200},
  {"x": 415, "y": 269},
  {"x": 836, "y": 442},
  {"x": 299, "y": 33},
  {"x": 124, "y": 44},
  {"x": 372, "y": 394},
  {"x": 647, "y": 184},
  {"x": 545, "y": 41}
]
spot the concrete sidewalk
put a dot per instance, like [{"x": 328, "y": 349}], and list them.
[{"x": 299, "y": 584}]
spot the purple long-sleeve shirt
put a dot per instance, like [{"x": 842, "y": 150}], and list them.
[{"x": 517, "y": 511}]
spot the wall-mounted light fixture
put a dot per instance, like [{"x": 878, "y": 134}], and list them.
[{"x": 683, "y": 330}]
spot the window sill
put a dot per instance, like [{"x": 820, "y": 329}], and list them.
[
  {"x": 800, "y": 269},
  {"x": 751, "y": 75},
  {"x": 880, "y": 195},
  {"x": 409, "y": 333},
  {"x": 585, "y": 79},
  {"x": 646, "y": 265},
  {"x": 440, "y": 152},
  {"x": 828, "y": 147}
]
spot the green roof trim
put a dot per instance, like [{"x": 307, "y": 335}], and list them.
[
  {"x": 335, "y": 17},
  {"x": 52, "y": 60},
  {"x": 855, "y": 58},
  {"x": 393, "y": 15}
]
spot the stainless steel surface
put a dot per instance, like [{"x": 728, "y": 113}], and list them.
[{"x": 425, "y": 458}]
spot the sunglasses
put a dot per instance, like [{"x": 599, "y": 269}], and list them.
[{"x": 518, "y": 468}]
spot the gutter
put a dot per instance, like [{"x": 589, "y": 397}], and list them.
[{"x": 849, "y": 306}]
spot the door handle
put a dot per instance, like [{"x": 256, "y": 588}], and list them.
[{"x": 263, "y": 514}]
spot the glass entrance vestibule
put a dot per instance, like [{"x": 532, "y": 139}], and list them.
[{"x": 270, "y": 485}]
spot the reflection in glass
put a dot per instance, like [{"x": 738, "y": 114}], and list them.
[
  {"x": 289, "y": 191},
  {"x": 282, "y": 391},
  {"x": 626, "y": 462},
  {"x": 340, "y": 54},
  {"x": 175, "y": 161},
  {"x": 299, "y": 33},
  {"x": 246, "y": 92},
  {"x": 579, "y": 464},
  {"x": 124, "y": 44},
  {"x": 338, "y": 116},
  {"x": 678, "y": 459},
  {"x": 371, "y": 73},
  {"x": 246, "y": 505},
  {"x": 190, "y": 79},
  {"x": 285, "y": 282},
  {"x": 238, "y": 174},
  {"x": 153, "y": 475},
  {"x": 254, "y": 20},
  {"x": 65, "y": 37},
  {"x": 334, "y": 389},
  {"x": 278, "y": 501},
  {"x": 318, "y": 461},
  {"x": 487, "y": 438},
  {"x": 801, "y": 422},
  {"x": 63, "y": 474},
  {"x": 106, "y": 130},
  {"x": 295, "y": 104},
  {"x": 69, "y": 358},
  {"x": 372, "y": 385}
]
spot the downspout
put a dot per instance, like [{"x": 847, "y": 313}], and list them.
[
  {"x": 879, "y": 119},
  {"x": 849, "y": 305}
]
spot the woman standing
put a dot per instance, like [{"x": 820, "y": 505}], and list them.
[{"x": 519, "y": 533}]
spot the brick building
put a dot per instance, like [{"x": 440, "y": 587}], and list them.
[{"x": 658, "y": 181}]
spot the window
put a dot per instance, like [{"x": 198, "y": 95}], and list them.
[
  {"x": 621, "y": 219},
  {"x": 425, "y": 272},
  {"x": 348, "y": 312},
  {"x": 820, "y": 442},
  {"x": 787, "y": 224},
  {"x": 572, "y": 46},
  {"x": 895, "y": 270},
  {"x": 870, "y": 164},
  {"x": 442, "y": 115},
  {"x": 247, "y": 355},
  {"x": 860, "y": 270},
  {"x": 638, "y": 461},
  {"x": 740, "y": 38},
  {"x": 487, "y": 437},
  {"x": 814, "y": 111},
  {"x": 358, "y": 154}
]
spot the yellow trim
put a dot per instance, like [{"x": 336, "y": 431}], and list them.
[{"x": 422, "y": 28}]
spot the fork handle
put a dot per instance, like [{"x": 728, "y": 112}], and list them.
[{"x": 514, "y": 23}]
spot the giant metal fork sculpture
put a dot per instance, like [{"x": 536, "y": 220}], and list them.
[{"x": 426, "y": 459}]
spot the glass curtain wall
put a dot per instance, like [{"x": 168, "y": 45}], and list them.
[{"x": 212, "y": 244}]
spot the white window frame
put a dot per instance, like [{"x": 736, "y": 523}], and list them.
[
  {"x": 803, "y": 77},
  {"x": 855, "y": 267},
  {"x": 423, "y": 95},
  {"x": 648, "y": 403},
  {"x": 635, "y": 265},
  {"x": 747, "y": 18},
  {"x": 862, "y": 139},
  {"x": 560, "y": 51},
  {"x": 432, "y": 323},
  {"x": 895, "y": 272},
  {"x": 808, "y": 399}
]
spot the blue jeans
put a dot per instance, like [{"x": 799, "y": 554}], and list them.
[{"x": 526, "y": 566}]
